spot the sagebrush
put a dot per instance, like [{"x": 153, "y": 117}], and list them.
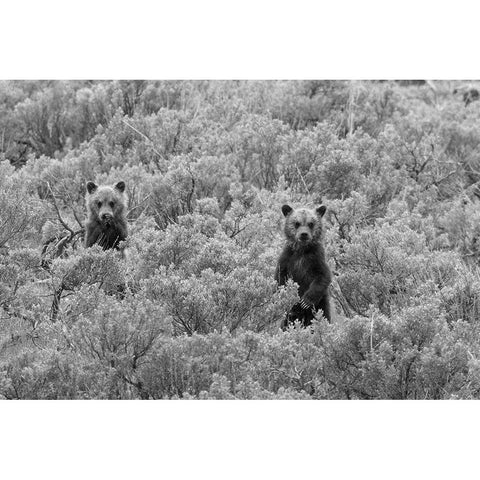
[{"x": 207, "y": 166}]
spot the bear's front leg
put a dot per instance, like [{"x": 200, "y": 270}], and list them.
[
  {"x": 317, "y": 296},
  {"x": 93, "y": 233}
]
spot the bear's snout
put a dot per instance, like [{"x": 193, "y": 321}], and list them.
[
  {"x": 106, "y": 217},
  {"x": 304, "y": 236}
]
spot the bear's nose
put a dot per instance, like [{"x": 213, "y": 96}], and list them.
[
  {"x": 304, "y": 236},
  {"x": 106, "y": 216}
]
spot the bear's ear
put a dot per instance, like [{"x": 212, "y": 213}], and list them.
[
  {"x": 120, "y": 186},
  {"x": 91, "y": 187},
  {"x": 286, "y": 210},
  {"x": 321, "y": 210}
]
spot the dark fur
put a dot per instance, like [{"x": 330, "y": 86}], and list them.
[
  {"x": 106, "y": 225},
  {"x": 106, "y": 218},
  {"x": 303, "y": 260},
  {"x": 469, "y": 95}
]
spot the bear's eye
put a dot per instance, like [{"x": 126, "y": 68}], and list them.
[
  {"x": 310, "y": 225},
  {"x": 112, "y": 204},
  {"x": 297, "y": 224},
  {"x": 99, "y": 204}
]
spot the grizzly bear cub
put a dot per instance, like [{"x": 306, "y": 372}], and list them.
[
  {"x": 106, "y": 225},
  {"x": 106, "y": 217},
  {"x": 303, "y": 260}
]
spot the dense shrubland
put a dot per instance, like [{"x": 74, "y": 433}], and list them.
[{"x": 208, "y": 165}]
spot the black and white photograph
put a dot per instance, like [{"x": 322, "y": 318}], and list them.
[{"x": 239, "y": 240}]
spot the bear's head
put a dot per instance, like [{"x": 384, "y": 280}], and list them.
[
  {"x": 303, "y": 226},
  {"x": 105, "y": 203}
]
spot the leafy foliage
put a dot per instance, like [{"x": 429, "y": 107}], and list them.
[{"x": 193, "y": 310}]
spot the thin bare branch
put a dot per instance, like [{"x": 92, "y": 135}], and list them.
[
  {"x": 143, "y": 136},
  {"x": 59, "y": 215}
]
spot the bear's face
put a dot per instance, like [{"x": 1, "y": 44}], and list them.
[
  {"x": 105, "y": 203},
  {"x": 303, "y": 226}
]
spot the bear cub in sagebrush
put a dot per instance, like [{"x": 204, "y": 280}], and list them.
[
  {"x": 106, "y": 225},
  {"x": 106, "y": 215},
  {"x": 303, "y": 261}
]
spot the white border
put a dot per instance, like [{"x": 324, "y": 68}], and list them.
[
  {"x": 238, "y": 439},
  {"x": 250, "y": 39},
  {"x": 253, "y": 39}
]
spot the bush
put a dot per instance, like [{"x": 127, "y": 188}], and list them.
[{"x": 193, "y": 310}]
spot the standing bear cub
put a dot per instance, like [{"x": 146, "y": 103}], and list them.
[
  {"x": 106, "y": 216},
  {"x": 303, "y": 260},
  {"x": 106, "y": 225}
]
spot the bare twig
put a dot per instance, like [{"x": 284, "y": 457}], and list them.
[
  {"x": 61, "y": 220},
  {"x": 303, "y": 180},
  {"x": 371, "y": 332},
  {"x": 144, "y": 136}
]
